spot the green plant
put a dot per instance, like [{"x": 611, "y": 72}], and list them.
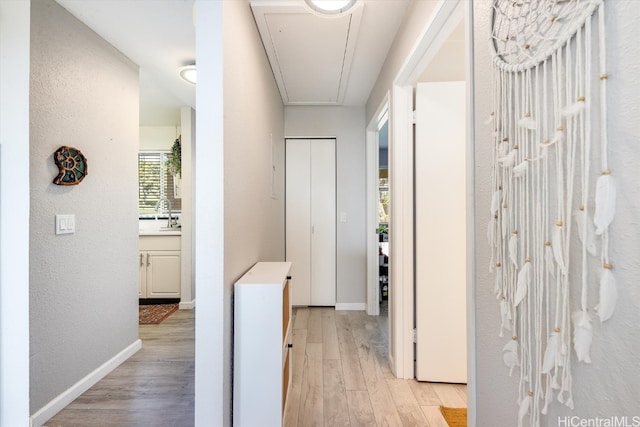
[{"x": 174, "y": 160}]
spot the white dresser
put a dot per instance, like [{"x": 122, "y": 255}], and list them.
[{"x": 262, "y": 345}]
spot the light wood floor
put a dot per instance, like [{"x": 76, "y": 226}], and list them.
[
  {"x": 340, "y": 378},
  {"x": 153, "y": 388}
]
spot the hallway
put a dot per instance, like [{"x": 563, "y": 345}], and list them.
[{"x": 340, "y": 378}]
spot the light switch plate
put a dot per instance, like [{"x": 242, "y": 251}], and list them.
[{"x": 65, "y": 224}]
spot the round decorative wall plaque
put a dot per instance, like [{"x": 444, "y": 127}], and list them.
[{"x": 72, "y": 166}]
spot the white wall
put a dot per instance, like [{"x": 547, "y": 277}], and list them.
[
  {"x": 14, "y": 212},
  {"x": 348, "y": 126},
  {"x": 238, "y": 222},
  {"x": 158, "y": 137},
  {"x": 83, "y": 286},
  {"x": 610, "y": 385}
]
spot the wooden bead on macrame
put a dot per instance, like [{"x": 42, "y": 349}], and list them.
[
  {"x": 604, "y": 76},
  {"x": 605, "y": 172},
  {"x": 607, "y": 266},
  {"x": 556, "y": 329}
]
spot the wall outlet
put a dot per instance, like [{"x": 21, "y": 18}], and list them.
[{"x": 65, "y": 224}]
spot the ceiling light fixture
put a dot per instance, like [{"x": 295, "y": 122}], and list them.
[
  {"x": 330, "y": 7},
  {"x": 188, "y": 73}
]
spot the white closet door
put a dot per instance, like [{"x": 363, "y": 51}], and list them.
[
  {"x": 311, "y": 220},
  {"x": 298, "y": 218},
  {"x": 323, "y": 222},
  {"x": 440, "y": 186}
]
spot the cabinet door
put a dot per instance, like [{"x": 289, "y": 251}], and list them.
[
  {"x": 298, "y": 218},
  {"x": 311, "y": 220},
  {"x": 323, "y": 222},
  {"x": 163, "y": 274},
  {"x": 142, "y": 281}
]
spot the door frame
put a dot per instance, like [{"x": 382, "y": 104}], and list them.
[
  {"x": 372, "y": 159},
  {"x": 402, "y": 305}
]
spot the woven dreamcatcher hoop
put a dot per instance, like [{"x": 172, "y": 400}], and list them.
[{"x": 553, "y": 192}]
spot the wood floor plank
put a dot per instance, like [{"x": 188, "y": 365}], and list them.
[
  {"x": 360, "y": 410},
  {"x": 384, "y": 408},
  {"x": 424, "y": 393},
  {"x": 434, "y": 416},
  {"x": 311, "y": 397},
  {"x": 301, "y": 318},
  {"x": 331, "y": 345},
  {"x": 408, "y": 408},
  {"x": 450, "y": 395},
  {"x": 336, "y": 409},
  {"x": 353, "y": 378},
  {"x": 314, "y": 328}
]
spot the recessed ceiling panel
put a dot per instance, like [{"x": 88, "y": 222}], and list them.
[{"x": 310, "y": 55}]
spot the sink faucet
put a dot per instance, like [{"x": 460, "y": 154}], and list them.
[{"x": 169, "y": 221}]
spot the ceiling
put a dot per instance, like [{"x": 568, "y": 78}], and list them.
[{"x": 321, "y": 61}]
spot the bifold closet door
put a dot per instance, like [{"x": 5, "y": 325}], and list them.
[{"x": 311, "y": 220}]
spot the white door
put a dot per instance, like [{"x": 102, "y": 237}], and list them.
[
  {"x": 440, "y": 194},
  {"x": 311, "y": 220}
]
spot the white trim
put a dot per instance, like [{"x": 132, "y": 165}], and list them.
[
  {"x": 471, "y": 233},
  {"x": 351, "y": 306},
  {"x": 187, "y": 305},
  {"x": 69, "y": 395},
  {"x": 372, "y": 150},
  {"x": 401, "y": 246}
]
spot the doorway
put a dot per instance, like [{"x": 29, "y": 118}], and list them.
[{"x": 447, "y": 18}]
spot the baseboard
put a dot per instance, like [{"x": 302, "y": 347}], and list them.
[
  {"x": 187, "y": 305},
  {"x": 62, "y": 400},
  {"x": 351, "y": 306}
]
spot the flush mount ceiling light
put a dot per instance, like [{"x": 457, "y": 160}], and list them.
[
  {"x": 188, "y": 73},
  {"x": 330, "y": 7}
]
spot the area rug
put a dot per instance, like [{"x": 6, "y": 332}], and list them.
[
  {"x": 152, "y": 314},
  {"x": 456, "y": 417}
]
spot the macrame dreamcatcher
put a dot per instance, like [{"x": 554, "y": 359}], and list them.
[{"x": 553, "y": 193}]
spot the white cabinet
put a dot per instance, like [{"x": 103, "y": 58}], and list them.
[
  {"x": 262, "y": 345},
  {"x": 311, "y": 220},
  {"x": 159, "y": 265}
]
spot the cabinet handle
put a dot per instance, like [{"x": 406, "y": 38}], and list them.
[
  {"x": 141, "y": 260},
  {"x": 148, "y": 260}
]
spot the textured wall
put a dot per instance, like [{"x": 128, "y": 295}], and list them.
[
  {"x": 83, "y": 286},
  {"x": 610, "y": 386},
  {"x": 347, "y": 125},
  {"x": 253, "y": 117}
]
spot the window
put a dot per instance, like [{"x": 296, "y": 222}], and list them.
[{"x": 155, "y": 183}]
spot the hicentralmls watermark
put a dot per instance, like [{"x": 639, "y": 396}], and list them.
[{"x": 614, "y": 421}]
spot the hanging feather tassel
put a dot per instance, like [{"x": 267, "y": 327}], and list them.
[
  {"x": 508, "y": 160},
  {"x": 575, "y": 108},
  {"x": 590, "y": 241},
  {"x": 608, "y": 294},
  {"x": 495, "y": 202},
  {"x": 582, "y": 335},
  {"x": 513, "y": 247},
  {"x": 505, "y": 315},
  {"x": 605, "y": 202},
  {"x": 510, "y": 355},
  {"x": 521, "y": 168},
  {"x": 504, "y": 224},
  {"x": 550, "y": 354},
  {"x": 548, "y": 398},
  {"x": 558, "y": 135},
  {"x": 556, "y": 245},
  {"x": 524, "y": 408},
  {"x": 522, "y": 283},
  {"x": 491, "y": 233},
  {"x": 527, "y": 122},
  {"x": 548, "y": 259},
  {"x": 497, "y": 286}
]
